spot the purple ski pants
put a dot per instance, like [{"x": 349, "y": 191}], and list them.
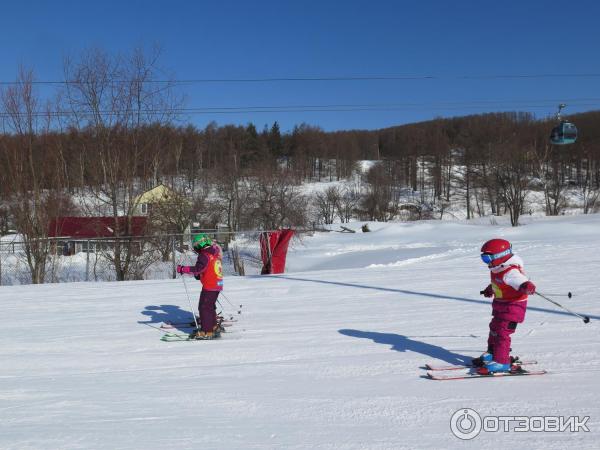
[
  {"x": 506, "y": 316},
  {"x": 208, "y": 310}
]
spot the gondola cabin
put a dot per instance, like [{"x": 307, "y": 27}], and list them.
[{"x": 563, "y": 134}]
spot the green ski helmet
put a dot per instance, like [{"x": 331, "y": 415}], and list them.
[{"x": 200, "y": 241}]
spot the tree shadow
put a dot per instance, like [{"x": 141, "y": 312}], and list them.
[{"x": 402, "y": 343}]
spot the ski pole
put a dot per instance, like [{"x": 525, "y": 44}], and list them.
[
  {"x": 187, "y": 294},
  {"x": 222, "y": 312},
  {"x": 585, "y": 319},
  {"x": 232, "y": 305},
  {"x": 568, "y": 294}
]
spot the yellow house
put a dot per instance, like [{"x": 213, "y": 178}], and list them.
[{"x": 158, "y": 194}]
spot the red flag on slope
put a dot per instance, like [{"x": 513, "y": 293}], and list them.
[{"x": 274, "y": 254}]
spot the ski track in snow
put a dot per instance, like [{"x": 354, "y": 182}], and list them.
[{"x": 327, "y": 356}]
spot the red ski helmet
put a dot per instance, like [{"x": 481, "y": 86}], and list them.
[{"x": 495, "y": 252}]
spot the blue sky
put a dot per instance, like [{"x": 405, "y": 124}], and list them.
[{"x": 351, "y": 38}]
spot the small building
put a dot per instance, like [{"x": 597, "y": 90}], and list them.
[
  {"x": 75, "y": 233},
  {"x": 158, "y": 194}
]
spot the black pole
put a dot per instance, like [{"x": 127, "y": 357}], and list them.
[{"x": 585, "y": 319}]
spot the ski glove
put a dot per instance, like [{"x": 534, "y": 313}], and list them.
[
  {"x": 488, "y": 291},
  {"x": 527, "y": 288},
  {"x": 183, "y": 269}
]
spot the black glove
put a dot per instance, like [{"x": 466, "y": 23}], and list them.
[{"x": 488, "y": 291}]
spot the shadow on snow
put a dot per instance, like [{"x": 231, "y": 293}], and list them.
[
  {"x": 167, "y": 313},
  {"x": 402, "y": 343},
  {"x": 487, "y": 303}
]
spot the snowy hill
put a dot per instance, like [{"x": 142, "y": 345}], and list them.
[{"x": 326, "y": 356}]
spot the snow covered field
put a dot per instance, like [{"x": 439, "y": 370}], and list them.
[{"x": 327, "y": 356}]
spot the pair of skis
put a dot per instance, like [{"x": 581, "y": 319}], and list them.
[
  {"x": 174, "y": 325},
  {"x": 466, "y": 371},
  {"x": 170, "y": 336},
  {"x": 176, "y": 337}
]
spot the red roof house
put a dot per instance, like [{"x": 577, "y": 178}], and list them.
[{"x": 95, "y": 227}]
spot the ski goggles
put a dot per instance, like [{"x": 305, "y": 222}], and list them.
[{"x": 489, "y": 257}]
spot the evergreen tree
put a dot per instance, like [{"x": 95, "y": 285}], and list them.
[{"x": 275, "y": 142}]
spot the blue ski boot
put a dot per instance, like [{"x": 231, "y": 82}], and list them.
[
  {"x": 493, "y": 367},
  {"x": 482, "y": 360}
]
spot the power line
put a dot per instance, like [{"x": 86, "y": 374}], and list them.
[
  {"x": 545, "y": 104},
  {"x": 327, "y": 79},
  {"x": 263, "y": 111}
]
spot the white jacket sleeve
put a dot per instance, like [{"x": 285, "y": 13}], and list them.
[{"x": 514, "y": 278}]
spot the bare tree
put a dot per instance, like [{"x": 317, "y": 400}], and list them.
[
  {"x": 463, "y": 178},
  {"x": 548, "y": 171},
  {"x": 381, "y": 201},
  {"x": 327, "y": 204},
  {"x": 5, "y": 218},
  {"x": 118, "y": 103},
  {"x": 275, "y": 201},
  {"x": 232, "y": 198},
  {"x": 33, "y": 184},
  {"x": 590, "y": 194},
  {"x": 348, "y": 203},
  {"x": 514, "y": 182}
]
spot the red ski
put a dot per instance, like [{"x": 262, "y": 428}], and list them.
[
  {"x": 516, "y": 373},
  {"x": 435, "y": 368}
]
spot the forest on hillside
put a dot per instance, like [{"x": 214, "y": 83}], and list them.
[{"x": 112, "y": 134}]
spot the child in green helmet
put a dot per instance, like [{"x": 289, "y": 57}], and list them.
[{"x": 209, "y": 270}]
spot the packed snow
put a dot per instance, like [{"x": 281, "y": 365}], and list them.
[{"x": 327, "y": 356}]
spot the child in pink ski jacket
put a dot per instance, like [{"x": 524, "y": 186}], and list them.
[{"x": 510, "y": 289}]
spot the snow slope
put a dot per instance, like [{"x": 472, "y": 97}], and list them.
[{"x": 327, "y": 356}]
